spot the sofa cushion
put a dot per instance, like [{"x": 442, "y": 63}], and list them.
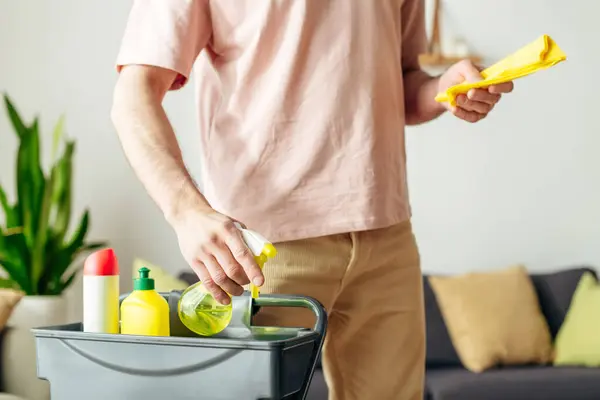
[
  {"x": 515, "y": 383},
  {"x": 555, "y": 291},
  {"x": 515, "y": 333},
  {"x": 578, "y": 341},
  {"x": 440, "y": 350}
]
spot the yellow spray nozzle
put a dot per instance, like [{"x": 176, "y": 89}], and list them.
[
  {"x": 261, "y": 259},
  {"x": 262, "y": 250},
  {"x": 269, "y": 250}
]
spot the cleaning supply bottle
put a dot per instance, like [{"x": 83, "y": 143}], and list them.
[
  {"x": 144, "y": 311},
  {"x": 198, "y": 309},
  {"x": 101, "y": 292}
]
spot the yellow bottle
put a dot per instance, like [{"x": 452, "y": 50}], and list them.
[
  {"x": 144, "y": 311},
  {"x": 198, "y": 309}
]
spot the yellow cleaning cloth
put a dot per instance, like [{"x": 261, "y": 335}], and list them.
[{"x": 541, "y": 54}]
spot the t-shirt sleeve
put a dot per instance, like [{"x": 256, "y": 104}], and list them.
[
  {"x": 414, "y": 36},
  {"x": 166, "y": 33}
]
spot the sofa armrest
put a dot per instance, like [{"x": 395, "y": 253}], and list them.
[{"x": 19, "y": 367}]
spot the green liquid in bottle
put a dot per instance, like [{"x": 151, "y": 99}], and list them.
[{"x": 201, "y": 313}]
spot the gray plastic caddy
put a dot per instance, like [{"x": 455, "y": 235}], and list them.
[{"x": 244, "y": 362}]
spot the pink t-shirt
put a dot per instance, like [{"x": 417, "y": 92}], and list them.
[{"x": 300, "y": 104}]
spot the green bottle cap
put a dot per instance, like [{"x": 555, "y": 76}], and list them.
[{"x": 144, "y": 282}]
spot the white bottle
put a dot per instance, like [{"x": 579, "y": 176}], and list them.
[{"x": 101, "y": 292}]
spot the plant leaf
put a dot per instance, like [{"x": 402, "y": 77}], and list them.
[
  {"x": 30, "y": 189},
  {"x": 39, "y": 249},
  {"x": 25, "y": 201},
  {"x": 34, "y": 251},
  {"x": 61, "y": 260},
  {"x": 15, "y": 118},
  {"x": 29, "y": 184},
  {"x": 16, "y": 270},
  {"x": 30, "y": 177},
  {"x": 6, "y": 283},
  {"x": 64, "y": 284},
  {"x": 61, "y": 192},
  {"x": 57, "y": 136},
  {"x": 9, "y": 214},
  {"x": 3, "y": 248},
  {"x": 4, "y": 201},
  {"x": 78, "y": 237},
  {"x": 18, "y": 256},
  {"x": 38, "y": 180},
  {"x": 56, "y": 259}
]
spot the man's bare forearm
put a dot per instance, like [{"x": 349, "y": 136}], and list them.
[
  {"x": 151, "y": 146},
  {"x": 419, "y": 92}
]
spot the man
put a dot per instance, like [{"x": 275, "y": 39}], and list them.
[{"x": 302, "y": 108}]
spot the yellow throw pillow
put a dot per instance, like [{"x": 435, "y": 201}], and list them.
[
  {"x": 578, "y": 340},
  {"x": 494, "y": 318},
  {"x": 8, "y": 301},
  {"x": 163, "y": 280}
]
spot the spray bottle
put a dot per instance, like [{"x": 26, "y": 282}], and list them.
[{"x": 198, "y": 309}]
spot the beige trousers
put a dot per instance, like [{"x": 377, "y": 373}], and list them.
[{"x": 370, "y": 283}]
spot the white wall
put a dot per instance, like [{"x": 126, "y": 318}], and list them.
[
  {"x": 57, "y": 56},
  {"x": 518, "y": 187},
  {"x": 521, "y": 186}
]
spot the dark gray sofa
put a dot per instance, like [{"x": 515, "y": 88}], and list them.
[{"x": 446, "y": 379}]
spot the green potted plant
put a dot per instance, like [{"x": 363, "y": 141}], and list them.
[{"x": 38, "y": 254}]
